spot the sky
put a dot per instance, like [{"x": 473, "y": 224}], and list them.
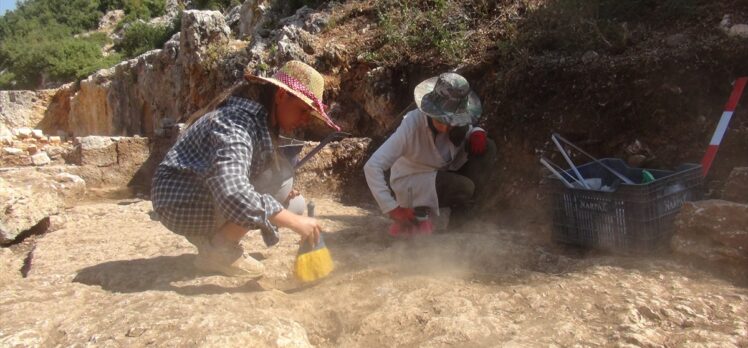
[{"x": 6, "y": 5}]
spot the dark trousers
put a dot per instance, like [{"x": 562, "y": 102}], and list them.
[{"x": 459, "y": 189}]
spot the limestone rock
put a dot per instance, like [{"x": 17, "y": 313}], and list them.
[
  {"x": 736, "y": 187},
  {"x": 12, "y": 151},
  {"x": 109, "y": 20},
  {"x": 23, "y": 132},
  {"x": 90, "y": 110},
  {"x": 590, "y": 56},
  {"x": 32, "y": 149},
  {"x": 23, "y": 108},
  {"x": 40, "y": 159},
  {"x": 133, "y": 96},
  {"x": 96, "y": 150},
  {"x": 713, "y": 230},
  {"x": 5, "y": 133},
  {"x": 27, "y": 197},
  {"x": 739, "y": 30}
]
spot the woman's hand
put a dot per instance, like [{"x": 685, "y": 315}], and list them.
[{"x": 306, "y": 227}]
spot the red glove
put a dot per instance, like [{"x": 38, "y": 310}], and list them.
[
  {"x": 478, "y": 142},
  {"x": 401, "y": 214}
]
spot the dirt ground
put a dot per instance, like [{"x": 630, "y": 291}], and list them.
[{"x": 111, "y": 276}]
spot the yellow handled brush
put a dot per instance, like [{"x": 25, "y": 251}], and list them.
[{"x": 313, "y": 263}]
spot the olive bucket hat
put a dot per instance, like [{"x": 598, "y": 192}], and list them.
[
  {"x": 305, "y": 83},
  {"x": 448, "y": 99}
]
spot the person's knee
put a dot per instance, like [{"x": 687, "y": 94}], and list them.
[{"x": 461, "y": 191}]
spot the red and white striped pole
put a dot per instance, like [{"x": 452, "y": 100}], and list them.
[{"x": 719, "y": 133}]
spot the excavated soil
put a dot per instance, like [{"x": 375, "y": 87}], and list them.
[{"x": 111, "y": 276}]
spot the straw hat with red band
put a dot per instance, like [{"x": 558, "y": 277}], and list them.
[{"x": 305, "y": 83}]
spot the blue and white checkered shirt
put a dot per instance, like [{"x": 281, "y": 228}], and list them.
[{"x": 211, "y": 166}]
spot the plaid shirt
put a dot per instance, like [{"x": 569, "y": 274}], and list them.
[{"x": 210, "y": 167}]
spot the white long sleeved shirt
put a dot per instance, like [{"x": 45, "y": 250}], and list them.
[{"x": 414, "y": 155}]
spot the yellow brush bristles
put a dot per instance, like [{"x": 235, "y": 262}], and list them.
[{"x": 313, "y": 265}]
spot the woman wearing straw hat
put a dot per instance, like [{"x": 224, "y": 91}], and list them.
[
  {"x": 209, "y": 186},
  {"x": 436, "y": 157}
]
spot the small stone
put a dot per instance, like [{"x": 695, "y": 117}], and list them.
[
  {"x": 37, "y": 133},
  {"x": 68, "y": 178},
  {"x": 55, "y": 139},
  {"x": 739, "y": 30},
  {"x": 135, "y": 332},
  {"x": 40, "y": 159},
  {"x": 23, "y": 133},
  {"x": 12, "y": 151},
  {"x": 726, "y": 22},
  {"x": 6, "y": 140},
  {"x": 590, "y": 56},
  {"x": 32, "y": 149}
]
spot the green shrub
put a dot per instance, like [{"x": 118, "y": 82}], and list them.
[
  {"x": 425, "y": 27},
  {"x": 219, "y": 5},
  {"x": 52, "y": 54},
  {"x": 140, "y": 37}
]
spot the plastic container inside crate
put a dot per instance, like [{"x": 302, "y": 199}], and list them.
[{"x": 633, "y": 217}]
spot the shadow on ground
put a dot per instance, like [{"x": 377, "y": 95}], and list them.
[{"x": 156, "y": 274}]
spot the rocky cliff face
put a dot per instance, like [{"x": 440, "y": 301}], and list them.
[
  {"x": 23, "y": 108},
  {"x": 136, "y": 95},
  {"x": 165, "y": 85}
]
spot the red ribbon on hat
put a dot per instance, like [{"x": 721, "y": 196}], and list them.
[{"x": 297, "y": 86}]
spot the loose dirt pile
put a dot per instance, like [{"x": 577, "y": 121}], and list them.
[{"x": 111, "y": 276}]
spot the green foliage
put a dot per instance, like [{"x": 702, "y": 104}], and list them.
[
  {"x": 51, "y": 54},
  {"x": 438, "y": 26},
  {"x": 41, "y": 40},
  {"x": 76, "y": 15},
  {"x": 219, "y": 5},
  {"x": 136, "y": 9},
  {"x": 140, "y": 37}
]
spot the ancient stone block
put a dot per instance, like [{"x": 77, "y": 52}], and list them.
[
  {"x": 96, "y": 150},
  {"x": 40, "y": 159}
]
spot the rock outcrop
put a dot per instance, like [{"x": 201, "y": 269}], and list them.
[
  {"x": 170, "y": 83},
  {"x": 23, "y": 108},
  {"x": 715, "y": 231},
  {"x": 28, "y": 197}
]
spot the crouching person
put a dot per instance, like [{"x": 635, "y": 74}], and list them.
[
  {"x": 224, "y": 177},
  {"x": 436, "y": 157}
]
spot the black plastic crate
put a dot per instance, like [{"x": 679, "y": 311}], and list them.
[{"x": 633, "y": 217}]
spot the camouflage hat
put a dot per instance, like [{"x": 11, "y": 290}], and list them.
[{"x": 448, "y": 99}]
